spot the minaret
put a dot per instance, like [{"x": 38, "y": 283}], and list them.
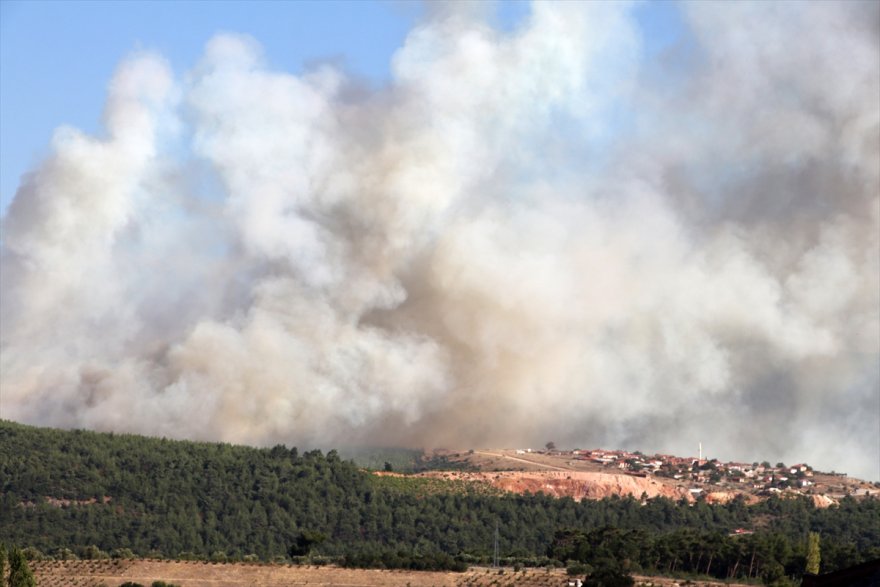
[{"x": 701, "y": 452}]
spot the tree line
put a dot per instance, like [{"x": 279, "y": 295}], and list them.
[{"x": 86, "y": 494}]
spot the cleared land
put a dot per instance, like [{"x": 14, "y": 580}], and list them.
[
  {"x": 200, "y": 574},
  {"x": 558, "y": 483}
]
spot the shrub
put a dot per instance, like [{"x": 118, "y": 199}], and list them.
[
  {"x": 92, "y": 552},
  {"x": 608, "y": 573},
  {"x": 122, "y": 553},
  {"x": 32, "y": 554},
  {"x": 65, "y": 554}
]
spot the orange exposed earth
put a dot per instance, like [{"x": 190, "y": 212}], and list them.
[
  {"x": 575, "y": 484},
  {"x": 580, "y": 485}
]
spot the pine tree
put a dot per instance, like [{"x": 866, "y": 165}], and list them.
[
  {"x": 813, "y": 554},
  {"x": 20, "y": 574}
]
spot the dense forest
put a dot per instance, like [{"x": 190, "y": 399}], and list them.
[{"x": 76, "y": 493}]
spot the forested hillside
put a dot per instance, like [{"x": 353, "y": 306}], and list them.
[{"x": 157, "y": 497}]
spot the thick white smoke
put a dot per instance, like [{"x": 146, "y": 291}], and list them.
[{"x": 541, "y": 234}]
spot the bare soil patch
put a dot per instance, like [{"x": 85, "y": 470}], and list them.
[
  {"x": 575, "y": 484},
  {"x": 201, "y": 574}
]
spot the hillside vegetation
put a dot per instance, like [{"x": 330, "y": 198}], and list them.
[{"x": 85, "y": 494}]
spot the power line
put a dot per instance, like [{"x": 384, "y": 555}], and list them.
[{"x": 495, "y": 558}]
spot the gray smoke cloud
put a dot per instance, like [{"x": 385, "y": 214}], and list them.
[{"x": 540, "y": 234}]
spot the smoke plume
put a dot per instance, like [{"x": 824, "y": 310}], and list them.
[{"x": 544, "y": 233}]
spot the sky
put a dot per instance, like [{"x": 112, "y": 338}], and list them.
[
  {"x": 56, "y": 58},
  {"x": 627, "y": 225}
]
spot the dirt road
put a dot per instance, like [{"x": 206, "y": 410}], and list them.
[{"x": 537, "y": 463}]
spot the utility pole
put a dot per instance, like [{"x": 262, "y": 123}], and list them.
[{"x": 495, "y": 558}]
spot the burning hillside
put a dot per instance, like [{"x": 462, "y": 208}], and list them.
[{"x": 552, "y": 228}]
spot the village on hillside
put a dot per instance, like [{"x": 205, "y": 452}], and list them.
[
  {"x": 759, "y": 476},
  {"x": 701, "y": 475}
]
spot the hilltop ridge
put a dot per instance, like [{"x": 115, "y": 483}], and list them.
[
  {"x": 67, "y": 494},
  {"x": 600, "y": 473}
]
